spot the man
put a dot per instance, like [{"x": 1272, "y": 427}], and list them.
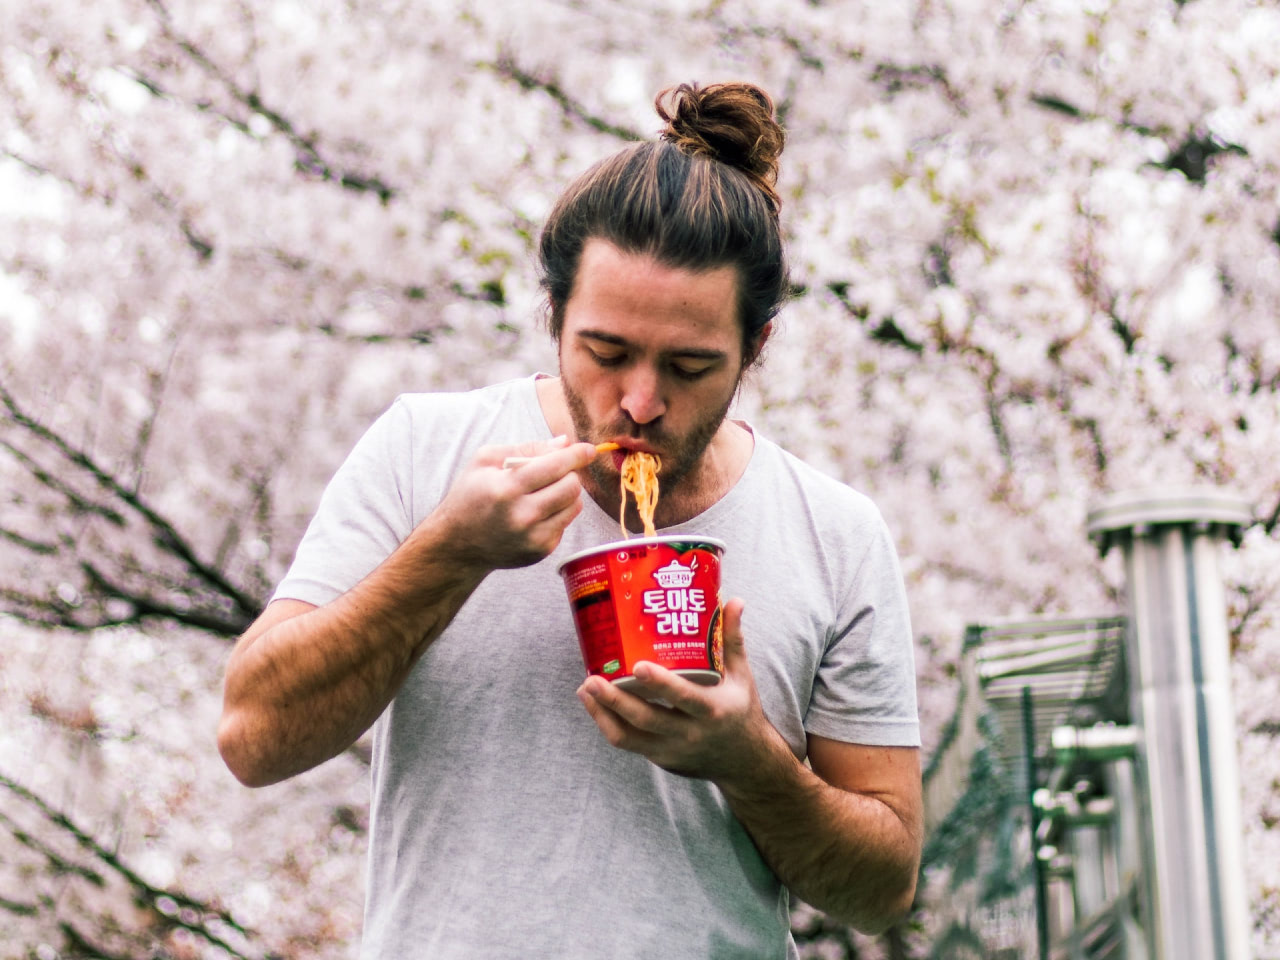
[{"x": 508, "y": 822}]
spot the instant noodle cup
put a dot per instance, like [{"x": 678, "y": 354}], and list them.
[{"x": 649, "y": 598}]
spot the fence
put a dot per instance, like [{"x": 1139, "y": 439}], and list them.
[{"x": 1082, "y": 804}]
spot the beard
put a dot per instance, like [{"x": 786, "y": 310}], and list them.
[{"x": 680, "y": 453}]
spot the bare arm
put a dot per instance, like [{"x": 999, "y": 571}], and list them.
[
  {"x": 305, "y": 682},
  {"x": 845, "y": 836}
]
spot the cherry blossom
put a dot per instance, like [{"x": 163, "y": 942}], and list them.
[{"x": 1036, "y": 249}]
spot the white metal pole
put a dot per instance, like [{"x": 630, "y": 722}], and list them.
[{"x": 1178, "y": 662}]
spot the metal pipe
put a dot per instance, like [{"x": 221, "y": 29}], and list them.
[
  {"x": 1178, "y": 659},
  {"x": 1029, "y": 760}
]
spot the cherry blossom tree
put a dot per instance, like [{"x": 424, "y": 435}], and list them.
[{"x": 1036, "y": 249}]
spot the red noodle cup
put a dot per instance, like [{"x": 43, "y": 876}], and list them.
[{"x": 650, "y": 598}]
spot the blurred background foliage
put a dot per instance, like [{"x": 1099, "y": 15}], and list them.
[{"x": 1036, "y": 249}]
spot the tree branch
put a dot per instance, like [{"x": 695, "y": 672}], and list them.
[
  {"x": 46, "y": 479},
  {"x": 491, "y": 292},
  {"x": 307, "y": 155},
  {"x": 1273, "y": 520},
  {"x": 82, "y": 947},
  {"x": 995, "y": 416},
  {"x": 143, "y": 607},
  {"x": 65, "y": 69},
  {"x": 59, "y": 864},
  {"x": 227, "y": 612},
  {"x": 886, "y": 329},
  {"x": 33, "y": 546},
  {"x": 806, "y": 58},
  {"x": 19, "y": 908},
  {"x": 506, "y": 67},
  {"x": 167, "y": 904},
  {"x": 163, "y": 532},
  {"x": 1191, "y": 156},
  {"x": 893, "y": 79}
]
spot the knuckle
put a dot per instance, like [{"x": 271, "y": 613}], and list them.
[
  {"x": 550, "y": 542},
  {"x": 615, "y": 737},
  {"x": 523, "y": 515},
  {"x": 503, "y": 485}
]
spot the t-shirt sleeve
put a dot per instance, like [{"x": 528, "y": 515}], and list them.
[
  {"x": 364, "y": 514},
  {"x": 865, "y": 690}
]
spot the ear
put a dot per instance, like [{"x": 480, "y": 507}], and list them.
[{"x": 758, "y": 344}]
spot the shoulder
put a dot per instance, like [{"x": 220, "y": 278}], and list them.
[
  {"x": 483, "y": 415},
  {"x": 811, "y": 489},
  {"x": 493, "y": 397},
  {"x": 838, "y": 531},
  {"x": 424, "y": 439},
  {"x": 814, "y": 522}
]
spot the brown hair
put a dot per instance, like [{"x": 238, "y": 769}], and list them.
[{"x": 701, "y": 196}]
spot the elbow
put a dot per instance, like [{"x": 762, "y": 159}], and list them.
[
  {"x": 235, "y": 746},
  {"x": 900, "y": 906},
  {"x": 900, "y": 897},
  {"x": 892, "y": 910},
  {"x": 897, "y": 891},
  {"x": 875, "y": 912}
]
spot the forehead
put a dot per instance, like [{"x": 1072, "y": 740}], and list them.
[{"x": 635, "y": 297}]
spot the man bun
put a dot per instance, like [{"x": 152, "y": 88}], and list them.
[
  {"x": 729, "y": 122},
  {"x": 698, "y": 197}
]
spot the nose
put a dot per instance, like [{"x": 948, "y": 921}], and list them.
[{"x": 642, "y": 396}]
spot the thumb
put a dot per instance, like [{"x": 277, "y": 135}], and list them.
[{"x": 735, "y": 647}]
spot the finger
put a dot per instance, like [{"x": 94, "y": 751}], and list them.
[
  {"x": 549, "y": 466},
  {"x": 617, "y": 731},
  {"x": 735, "y": 647},
  {"x": 633, "y": 709},
  {"x": 656, "y": 682},
  {"x": 554, "y": 498},
  {"x": 547, "y": 533}
]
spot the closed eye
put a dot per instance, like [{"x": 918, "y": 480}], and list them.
[
  {"x": 693, "y": 368},
  {"x": 606, "y": 358},
  {"x": 689, "y": 371}
]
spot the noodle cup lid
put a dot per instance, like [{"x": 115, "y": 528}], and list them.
[{"x": 688, "y": 539}]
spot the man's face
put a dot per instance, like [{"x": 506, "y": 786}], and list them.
[{"x": 650, "y": 357}]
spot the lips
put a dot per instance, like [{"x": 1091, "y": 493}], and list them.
[
  {"x": 630, "y": 445},
  {"x": 637, "y": 442}
]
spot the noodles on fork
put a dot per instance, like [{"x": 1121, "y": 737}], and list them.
[{"x": 640, "y": 477}]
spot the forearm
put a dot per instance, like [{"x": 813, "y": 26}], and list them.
[
  {"x": 306, "y": 688},
  {"x": 849, "y": 854}
]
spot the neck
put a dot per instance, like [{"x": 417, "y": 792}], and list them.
[{"x": 719, "y": 468}]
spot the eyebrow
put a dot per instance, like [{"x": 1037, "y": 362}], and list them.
[{"x": 699, "y": 353}]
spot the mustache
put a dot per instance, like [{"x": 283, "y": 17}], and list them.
[{"x": 636, "y": 431}]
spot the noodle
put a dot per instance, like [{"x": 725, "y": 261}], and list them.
[{"x": 640, "y": 477}]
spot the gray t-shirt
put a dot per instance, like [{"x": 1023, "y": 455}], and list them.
[{"x": 503, "y": 825}]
